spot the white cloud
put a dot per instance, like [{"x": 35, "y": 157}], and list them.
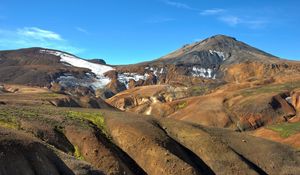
[
  {"x": 215, "y": 11},
  {"x": 34, "y": 37},
  {"x": 82, "y": 30},
  {"x": 250, "y": 23},
  {"x": 178, "y": 4},
  {"x": 231, "y": 20},
  {"x": 38, "y": 33},
  {"x": 228, "y": 18}
]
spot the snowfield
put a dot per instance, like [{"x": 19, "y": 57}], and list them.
[
  {"x": 99, "y": 82},
  {"x": 220, "y": 54},
  {"x": 97, "y": 69},
  {"x": 125, "y": 77},
  {"x": 202, "y": 72}
]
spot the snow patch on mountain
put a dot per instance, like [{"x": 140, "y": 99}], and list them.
[
  {"x": 98, "y": 82},
  {"x": 220, "y": 54},
  {"x": 125, "y": 77},
  {"x": 87, "y": 81},
  {"x": 202, "y": 72},
  {"x": 97, "y": 69},
  {"x": 71, "y": 81},
  {"x": 156, "y": 70}
]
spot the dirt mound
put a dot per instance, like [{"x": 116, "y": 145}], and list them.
[
  {"x": 204, "y": 150},
  {"x": 218, "y": 147},
  {"x": 47, "y": 133},
  {"x": 207, "y": 110},
  {"x": 97, "y": 149},
  {"x": 30, "y": 156},
  {"x": 162, "y": 155}
]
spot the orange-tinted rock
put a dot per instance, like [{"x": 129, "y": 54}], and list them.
[
  {"x": 285, "y": 106},
  {"x": 116, "y": 86},
  {"x": 151, "y": 80},
  {"x": 295, "y": 99}
]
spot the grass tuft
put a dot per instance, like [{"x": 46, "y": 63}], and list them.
[
  {"x": 271, "y": 88},
  {"x": 77, "y": 153},
  {"x": 95, "y": 117},
  {"x": 181, "y": 105},
  {"x": 8, "y": 124},
  {"x": 286, "y": 129}
]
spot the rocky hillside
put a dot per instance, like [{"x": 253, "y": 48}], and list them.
[
  {"x": 218, "y": 58},
  {"x": 41, "y": 67},
  {"x": 39, "y": 138}
]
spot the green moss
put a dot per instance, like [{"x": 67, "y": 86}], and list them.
[
  {"x": 198, "y": 90},
  {"x": 14, "y": 114},
  {"x": 8, "y": 119},
  {"x": 181, "y": 105},
  {"x": 8, "y": 124},
  {"x": 47, "y": 115},
  {"x": 29, "y": 113},
  {"x": 95, "y": 117},
  {"x": 77, "y": 153},
  {"x": 286, "y": 129},
  {"x": 4, "y": 113},
  {"x": 50, "y": 95},
  {"x": 277, "y": 88}
]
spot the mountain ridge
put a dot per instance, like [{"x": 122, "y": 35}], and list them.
[{"x": 217, "y": 58}]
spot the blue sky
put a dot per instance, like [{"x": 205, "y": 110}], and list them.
[{"x": 130, "y": 31}]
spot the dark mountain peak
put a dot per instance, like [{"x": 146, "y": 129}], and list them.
[
  {"x": 220, "y": 42},
  {"x": 221, "y": 37},
  {"x": 97, "y": 60},
  {"x": 218, "y": 47},
  {"x": 214, "y": 40}
]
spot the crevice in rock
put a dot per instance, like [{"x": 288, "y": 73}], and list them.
[
  {"x": 118, "y": 152},
  {"x": 190, "y": 157},
  {"x": 250, "y": 164}
]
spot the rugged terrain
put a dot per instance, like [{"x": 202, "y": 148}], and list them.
[
  {"x": 218, "y": 58},
  {"x": 218, "y": 106},
  {"x": 213, "y": 61},
  {"x": 95, "y": 141}
]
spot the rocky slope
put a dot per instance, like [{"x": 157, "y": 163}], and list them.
[
  {"x": 43, "y": 67},
  {"x": 211, "y": 61},
  {"x": 43, "y": 139},
  {"x": 244, "y": 106},
  {"x": 219, "y": 58}
]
